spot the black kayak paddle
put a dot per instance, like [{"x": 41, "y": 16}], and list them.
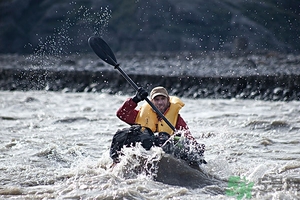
[{"x": 103, "y": 51}]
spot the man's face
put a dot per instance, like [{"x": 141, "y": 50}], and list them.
[{"x": 161, "y": 103}]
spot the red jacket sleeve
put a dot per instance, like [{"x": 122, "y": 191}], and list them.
[
  {"x": 127, "y": 112},
  {"x": 181, "y": 125}
]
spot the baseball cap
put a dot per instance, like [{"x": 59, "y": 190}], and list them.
[{"x": 158, "y": 91}]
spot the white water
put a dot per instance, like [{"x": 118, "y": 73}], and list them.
[{"x": 55, "y": 145}]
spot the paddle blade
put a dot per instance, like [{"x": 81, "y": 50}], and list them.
[{"x": 102, "y": 50}]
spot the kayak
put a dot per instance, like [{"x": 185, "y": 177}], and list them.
[{"x": 173, "y": 171}]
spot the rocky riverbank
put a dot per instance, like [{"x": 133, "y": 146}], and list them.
[{"x": 193, "y": 75}]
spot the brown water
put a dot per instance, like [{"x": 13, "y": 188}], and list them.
[{"x": 55, "y": 145}]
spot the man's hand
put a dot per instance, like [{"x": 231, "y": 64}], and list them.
[{"x": 140, "y": 95}]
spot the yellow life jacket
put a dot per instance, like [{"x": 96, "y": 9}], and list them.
[{"x": 148, "y": 118}]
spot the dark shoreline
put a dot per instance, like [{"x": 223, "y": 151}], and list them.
[{"x": 263, "y": 87}]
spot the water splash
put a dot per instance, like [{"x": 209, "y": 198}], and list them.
[
  {"x": 52, "y": 52},
  {"x": 77, "y": 25}
]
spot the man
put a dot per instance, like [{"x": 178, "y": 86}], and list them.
[{"x": 146, "y": 117}]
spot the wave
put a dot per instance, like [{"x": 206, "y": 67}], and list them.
[
  {"x": 72, "y": 119},
  {"x": 267, "y": 125}
]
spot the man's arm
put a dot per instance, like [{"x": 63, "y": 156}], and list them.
[
  {"x": 181, "y": 125},
  {"x": 200, "y": 148},
  {"x": 127, "y": 112}
]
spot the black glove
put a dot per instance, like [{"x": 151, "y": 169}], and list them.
[{"x": 140, "y": 95}]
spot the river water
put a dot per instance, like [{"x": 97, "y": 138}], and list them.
[{"x": 55, "y": 145}]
